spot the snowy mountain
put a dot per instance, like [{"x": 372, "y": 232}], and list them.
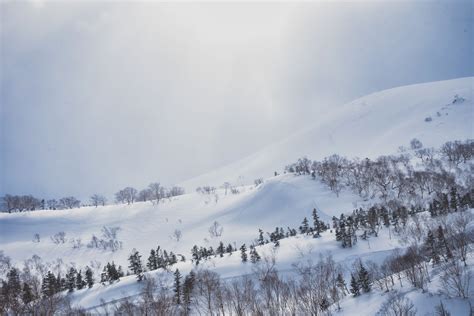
[
  {"x": 370, "y": 126},
  {"x": 377, "y": 124}
]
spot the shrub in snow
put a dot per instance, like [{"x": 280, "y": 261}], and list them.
[
  {"x": 428, "y": 119},
  {"x": 36, "y": 237},
  {"x": 458, "y": 99},
  {"x": 108, "y": 241},
  {"x": 216, "y": 230},
  {"x": 397, "y": 305},
  {"x": 59, "y": 238},
  {"x": 258, "y": 181}
]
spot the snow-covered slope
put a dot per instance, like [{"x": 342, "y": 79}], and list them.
[
  {"x": 370, "y": 126},
  {"x": 373, "y": 125},
  {"x": 281, "y": 201}
]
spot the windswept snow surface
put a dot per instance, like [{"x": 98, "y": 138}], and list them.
[
  {"x": 370, "y": 126},
  {"x": 373, "y": 125},
  {"x": 281, "y": 201}
]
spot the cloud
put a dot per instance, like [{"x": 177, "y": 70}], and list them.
[{"x": 99, "y": 95}]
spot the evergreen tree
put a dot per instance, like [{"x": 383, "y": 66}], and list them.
[
  {"x": 27, "y": 294},
  {"x": 364, "y": 279},
  {"x": 195, "y": 253},
  {"x": 71, "y": 279},
  {"x": 50, "y": 285},
  {"x": 152, "y": 263},
  {"x": 229, "y": 249},
  {"x": 318, "y": 225},
  {"x": 453, "y": 202},
  {"x": 444, "y": 244},
  {"x": 112, "y": 272},
  {"x": 220, "y": 249},
  {"x": 254, "y": 256},
  {"x": 177, "y": 287},
  {"x": 104, "y": 276},
  {"x": 304, "y": 228},
  {"x": 243, "y": 253},
  {"x": 341, "y": 284},
  {"x": 261, "y": 240},
  {"x": 188, "y": 286},
  {"x": 355, "y": 289},
  {"x": 80, "y": 283},
  {"x": 431, "y": 247},
  {"x": 89, "y": 277},
  {"x": 136, "y": 264}
]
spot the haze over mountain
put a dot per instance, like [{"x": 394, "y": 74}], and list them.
[{"x": 128, "y": 93}]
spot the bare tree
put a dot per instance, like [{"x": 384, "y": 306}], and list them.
[
  {"x": 456, "y": 280},
  {"x": 98, "y": 199},
  {"x": 216, "y": 229},
  {"x": 397, "y": 305},
  {"x": 59, "y": 238},
  {"x": 127, "y": 195},
  {"x": 155, "y": 191},
  {"x": 177, "y": 234},
  {"x": 69, "y": 202},
  {"x": 415, "y": 144}
]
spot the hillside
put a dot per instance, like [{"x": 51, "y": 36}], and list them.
[
  {"x": 374, "y": 125},
  {"x": 370, "y": 126}
]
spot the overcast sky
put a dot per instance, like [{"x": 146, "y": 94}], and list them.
[{"x": 99, "y": 95}]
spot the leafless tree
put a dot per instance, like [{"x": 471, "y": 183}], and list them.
[
  {"x": 155, "y": 190},
  {"x": 59, "y": 238},
  {"x": 127, "y": 195},
  {"x": 456, "y": 279},
  {"x": 216, "y": 229},
  {"x": 397, "y": 305},
  {"x": 98, "y": 199},
  {"x": 177, "y": 234},
  {"x": 69, "y": 202}
]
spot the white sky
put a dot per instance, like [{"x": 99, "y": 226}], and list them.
[{"x": 99, "y": 95}]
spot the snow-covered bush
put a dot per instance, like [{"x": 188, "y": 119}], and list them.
[{"x": 59, "y": 238}]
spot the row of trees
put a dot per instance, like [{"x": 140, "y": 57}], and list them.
[
  {"x": 154, "y": 193},
  {"x": 394, "y": 177},
  {"x": 20, "y": 203}
]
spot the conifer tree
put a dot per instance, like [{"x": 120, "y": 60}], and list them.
[
  {"x": 355, "y": 289},
  {"x": 50, "y": 285},
  {"x": 104, "y": 276},
  {"x": 364, "y": 279},
  {"x": 71, "y": 279},
  {"x": 444, "y": 244},
  {"x": 304, "y": 228},
  {"x": 27, "y": 294},
  {"x": 453, "y": 202},
  {"x": 195, "y": 253},
  {"x": 431, "y": 247},
  {"x": 80, "y": 283},
  {"x": 89, "y": 277},
  {"x": 152, "y": 263},
  {"x": 188, "y": 286},
  {"x": 177, "y": 287},
  {"x": 261, "y": 240},
  {"x": 254, "y": 256},
  {"x": 136, "y": 264},
  {"x": 220, "y": 249},
  {"x": 318, "y": 225},
  {"x": 243, "y": 253},
  {"x": 341, "y": 284},
  {"x": 229, "y": 249}
]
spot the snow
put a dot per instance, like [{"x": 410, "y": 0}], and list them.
[{"x": 370, "y": 126}]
